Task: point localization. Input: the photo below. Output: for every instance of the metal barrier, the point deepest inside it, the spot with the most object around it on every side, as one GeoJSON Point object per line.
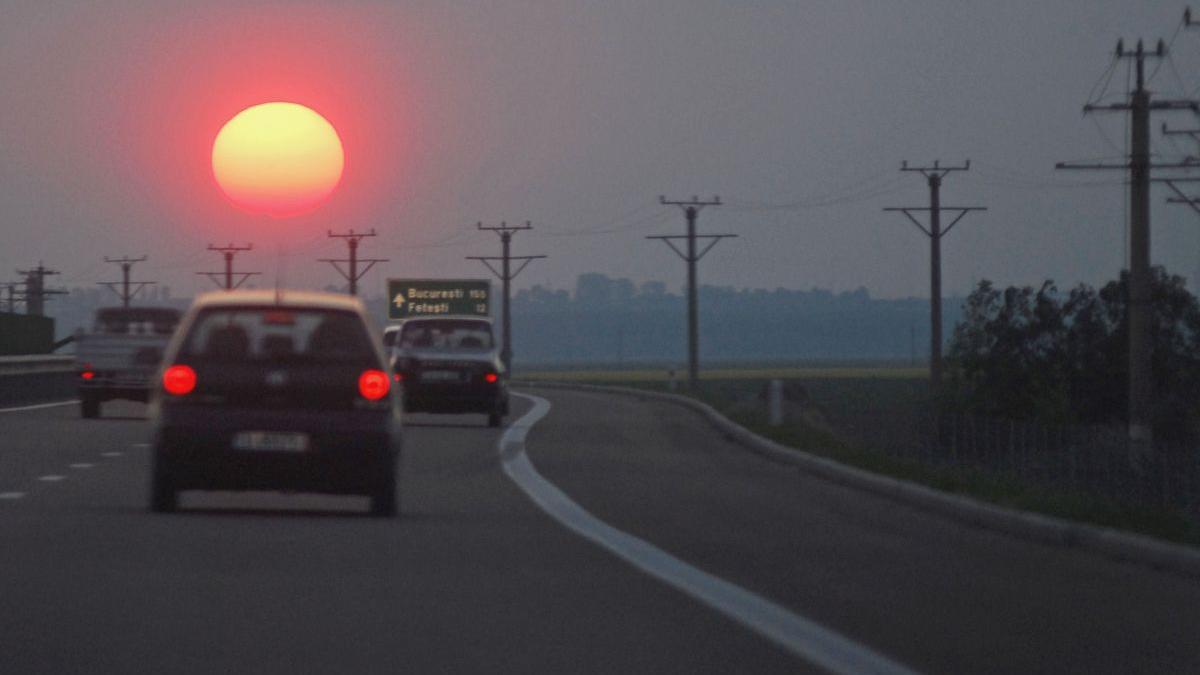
{"type": "Point", "coordinates": [36, 378]}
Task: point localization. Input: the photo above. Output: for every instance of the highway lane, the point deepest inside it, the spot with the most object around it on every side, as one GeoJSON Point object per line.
{"type": "Point", "coordinates": [935, 594]}
{"type": "Point", "coordinates": [473, 577]}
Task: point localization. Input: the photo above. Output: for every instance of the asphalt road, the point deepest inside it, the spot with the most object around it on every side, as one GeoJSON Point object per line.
{"type": "Point", "coordinates": [474, 576]}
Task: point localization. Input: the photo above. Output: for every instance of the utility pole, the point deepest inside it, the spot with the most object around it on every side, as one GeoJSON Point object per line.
{"type": "Point", "coordinates": [1139, 107]}
{"type": "Point", "coordinates": [353, 275]}
{"type": "Point", "coordinates": [506, 275]}
{"type": "Point", "coordinates": [933, 176]}
{"type": "Point", "coordinates": [128, 289]}
{"type": "Point", "coordinates": [36, 292]}
{"type": "Point", "coordinates": [228, 252]}
{"type": "Point", "coordinates": [12, 296]}
{"type": "Point", "coordinates": [691, 210]}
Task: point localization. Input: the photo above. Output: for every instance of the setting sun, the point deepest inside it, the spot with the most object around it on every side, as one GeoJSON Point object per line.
{"type": "Point", "coordinates": [279, 159]}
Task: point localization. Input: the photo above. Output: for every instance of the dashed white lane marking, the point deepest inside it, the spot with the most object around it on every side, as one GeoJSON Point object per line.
{"type": "Point", "coordinates": [53, 478]}
{"type": "Point", "coordinates": [39, 406]}
{"type": "Point", "coordinates": [82, 465]}
{"type": "Point", "coordinates": [11, 495]}
{"type": "Point", "coordinates": [114, 453]}
{"type": "Point", "coordinates": [140, 446]}
{"type": "Point", "coordinates": [803, 637]}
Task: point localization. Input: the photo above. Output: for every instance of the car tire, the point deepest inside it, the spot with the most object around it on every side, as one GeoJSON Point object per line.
{"type": "Point", "coordinates": [384, 501]}
{"type": "Point", "coordinates": [494, 419]}
{"type": "Point", "coordinates": [164, 497]}
{"type": "Point", "coordinates": [89, 407]}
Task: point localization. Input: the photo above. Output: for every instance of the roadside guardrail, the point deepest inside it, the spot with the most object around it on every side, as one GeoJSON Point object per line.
{"type": "Point", "coordinates": [36, 378]}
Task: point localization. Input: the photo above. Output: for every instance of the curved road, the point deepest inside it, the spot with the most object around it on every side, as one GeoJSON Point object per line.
{"type": "Point", "coordinates": [475, 576]}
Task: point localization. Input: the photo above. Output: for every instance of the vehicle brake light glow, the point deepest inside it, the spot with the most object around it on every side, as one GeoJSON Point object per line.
{"type": "Point", "coordinates": [373, 384]}
{"type": "Point", "coordinates": [179, 380]}
{"type": "Point", "coordinates": [399, 377]}
{"type": "Point", "coordinates": [87, 375]}
{"type": "Point", "coordinates": [491, 378]}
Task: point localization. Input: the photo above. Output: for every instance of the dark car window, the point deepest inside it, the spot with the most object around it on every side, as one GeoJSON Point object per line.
{"type": "Point", "coordinates": [136, 321]}
{"type": "Point", "coordinates": [278, 334]}
{"type": "Point", "coordinates": [447, 335]}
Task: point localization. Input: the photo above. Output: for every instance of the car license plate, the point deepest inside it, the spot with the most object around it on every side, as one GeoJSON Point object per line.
{"type": "Point", "coordinates": [440, 376]}
{"type": "Point", "coordinates": [276, 441]}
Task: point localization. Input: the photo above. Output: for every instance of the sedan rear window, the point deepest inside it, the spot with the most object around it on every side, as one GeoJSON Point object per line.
{"type": "Point", "coordinates": [278, 334]}
{"type": "Point", "coordinates": [447, 334]}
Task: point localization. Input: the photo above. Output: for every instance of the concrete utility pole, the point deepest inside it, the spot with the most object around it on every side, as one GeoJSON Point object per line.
{"type": "Point", "coordinates": [1140, 105]}
{"type": "Point", "coordinates": [128, 289]}
{"type": "Point", "coordinates": [36, 292]}
{"type": "Point", "coordinates": [691, 210]}
{"type": "Point", "coordinates": [353, 275]}
{"type": "Point", "coordinates": [228, 252]}
{"type": "Point", "coordinates": [934, 175]}
{"type": "Point", "coordinates": [506, 275]}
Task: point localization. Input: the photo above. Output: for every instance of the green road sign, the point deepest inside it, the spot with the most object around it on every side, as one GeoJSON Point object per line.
{"type": "Point", "coordinates": [438, 297]}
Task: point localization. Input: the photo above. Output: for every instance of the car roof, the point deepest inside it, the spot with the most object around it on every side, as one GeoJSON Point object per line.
{"type": "Point", "coordinates": [280, 298]}
{"type": "Point", "coordinates": [450, 317]}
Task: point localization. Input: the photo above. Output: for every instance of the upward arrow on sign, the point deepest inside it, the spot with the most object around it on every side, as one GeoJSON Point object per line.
{"type": "Point", "coordinates": [399, 299]}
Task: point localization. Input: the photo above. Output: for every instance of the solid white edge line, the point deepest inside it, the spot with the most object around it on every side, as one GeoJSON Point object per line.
{"type": "Point", "coordinates": [11, 495]}
{"type": "Point", "coordinates": [800, 636]}
{"type": "Point", "coordinates": [52, 478]}
{"type": "Point", "coordinates": [39, 406]}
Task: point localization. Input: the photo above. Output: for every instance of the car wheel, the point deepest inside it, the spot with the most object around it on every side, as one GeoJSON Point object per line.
{"type": "Point", "coordinates": [89, 407]}
{"type": "Point", "coordinates": [494, 419]}
{"type": "Point", "coordinates": [383, 501]}
{"type": "Point", "coordinates": [164, 497]}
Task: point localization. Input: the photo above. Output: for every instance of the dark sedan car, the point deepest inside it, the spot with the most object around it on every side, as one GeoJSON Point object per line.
{"type": "Point", "coordinates": [451, 365]}
{"type": "Point", "coordinates": [275, 391]}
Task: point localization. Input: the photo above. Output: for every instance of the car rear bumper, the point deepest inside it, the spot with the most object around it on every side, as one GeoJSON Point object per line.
{"type": "Point", "coordinates": [351, 452]}
{"type": "Point", "coordinates": [447, 398]}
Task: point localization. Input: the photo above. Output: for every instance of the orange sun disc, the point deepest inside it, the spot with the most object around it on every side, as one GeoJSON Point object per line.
{"type": "Point", "coordinates": [280, 159]}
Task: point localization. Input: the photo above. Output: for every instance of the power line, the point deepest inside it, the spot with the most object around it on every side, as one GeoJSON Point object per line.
{"type": "Point", "coordinates": [933, 176]}
{"type": "Point", "coordinates": [691, 210]}
{"type": "Point", "coordinates": [128, 289]}
{"type": "Point", "coordinates": [353, 274]}
{"type": "Point", "coordinates": [506, 275]}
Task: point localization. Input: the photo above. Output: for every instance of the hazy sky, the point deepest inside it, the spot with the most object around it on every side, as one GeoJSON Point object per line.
{"type": "Point", "coordinates": [576, 116]}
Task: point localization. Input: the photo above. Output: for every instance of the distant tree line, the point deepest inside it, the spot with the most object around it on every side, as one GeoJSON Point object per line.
{"type": "Point", "coordinates": [1037, 353]}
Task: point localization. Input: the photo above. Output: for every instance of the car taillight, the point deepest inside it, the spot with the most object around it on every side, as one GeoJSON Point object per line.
{"type": "Point", "coordinates": [179, 380]}
{"type": "Point", "coordinates": [373, 384]}
{"type": "Point", "coordinates": [399, 377]}
{"type": "Point", "coordinates": [87, 374]}
{"type": "Point", "coordinates": [491, 378]}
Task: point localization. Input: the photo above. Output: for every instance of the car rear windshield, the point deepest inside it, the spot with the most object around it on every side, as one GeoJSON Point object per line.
{"type": "Point", "coordinates": [136, 321]}
{"type": "Point", "coordinates": [278, 334]}
{"type": "Point", "coordinates": [447, 335]}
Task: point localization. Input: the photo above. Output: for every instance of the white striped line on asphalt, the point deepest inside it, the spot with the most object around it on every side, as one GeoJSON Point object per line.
{"type": "Point", "coordinates": [139, 446]}
{"type": "Point", "coordinates": [39, 406]}
{"type": "Point", "coordinates": [114, 453]}
{"type": "Point", "coordinates": [11, 495]}
{"type": "Point", "coordinates": [52, 478]}
{"type": "Point", "coordinates": [82, 465]}
{"type": "Point", "coordinates": [803, 637]}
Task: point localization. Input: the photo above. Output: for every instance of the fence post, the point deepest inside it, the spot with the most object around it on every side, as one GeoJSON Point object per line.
{"type": "Point", "coordinates": [775, 403]}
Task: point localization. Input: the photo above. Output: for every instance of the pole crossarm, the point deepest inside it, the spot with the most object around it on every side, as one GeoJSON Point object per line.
{"type": "Point", "coordinates": [936, 169]}
{"type": "Point", "coordinates": [218, 278]}
{"type": "Point", "coordinates": [713, 240]}
{"type": "Point", "coordinates": [487, 260]}
{"type": "Point", "coordinates": [962, 211]}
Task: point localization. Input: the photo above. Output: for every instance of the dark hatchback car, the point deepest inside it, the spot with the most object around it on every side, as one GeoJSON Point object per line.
{"type": "Point", "coordinates": [450, 365]}
{"type": "Point", "coordinates": [275, 391]}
